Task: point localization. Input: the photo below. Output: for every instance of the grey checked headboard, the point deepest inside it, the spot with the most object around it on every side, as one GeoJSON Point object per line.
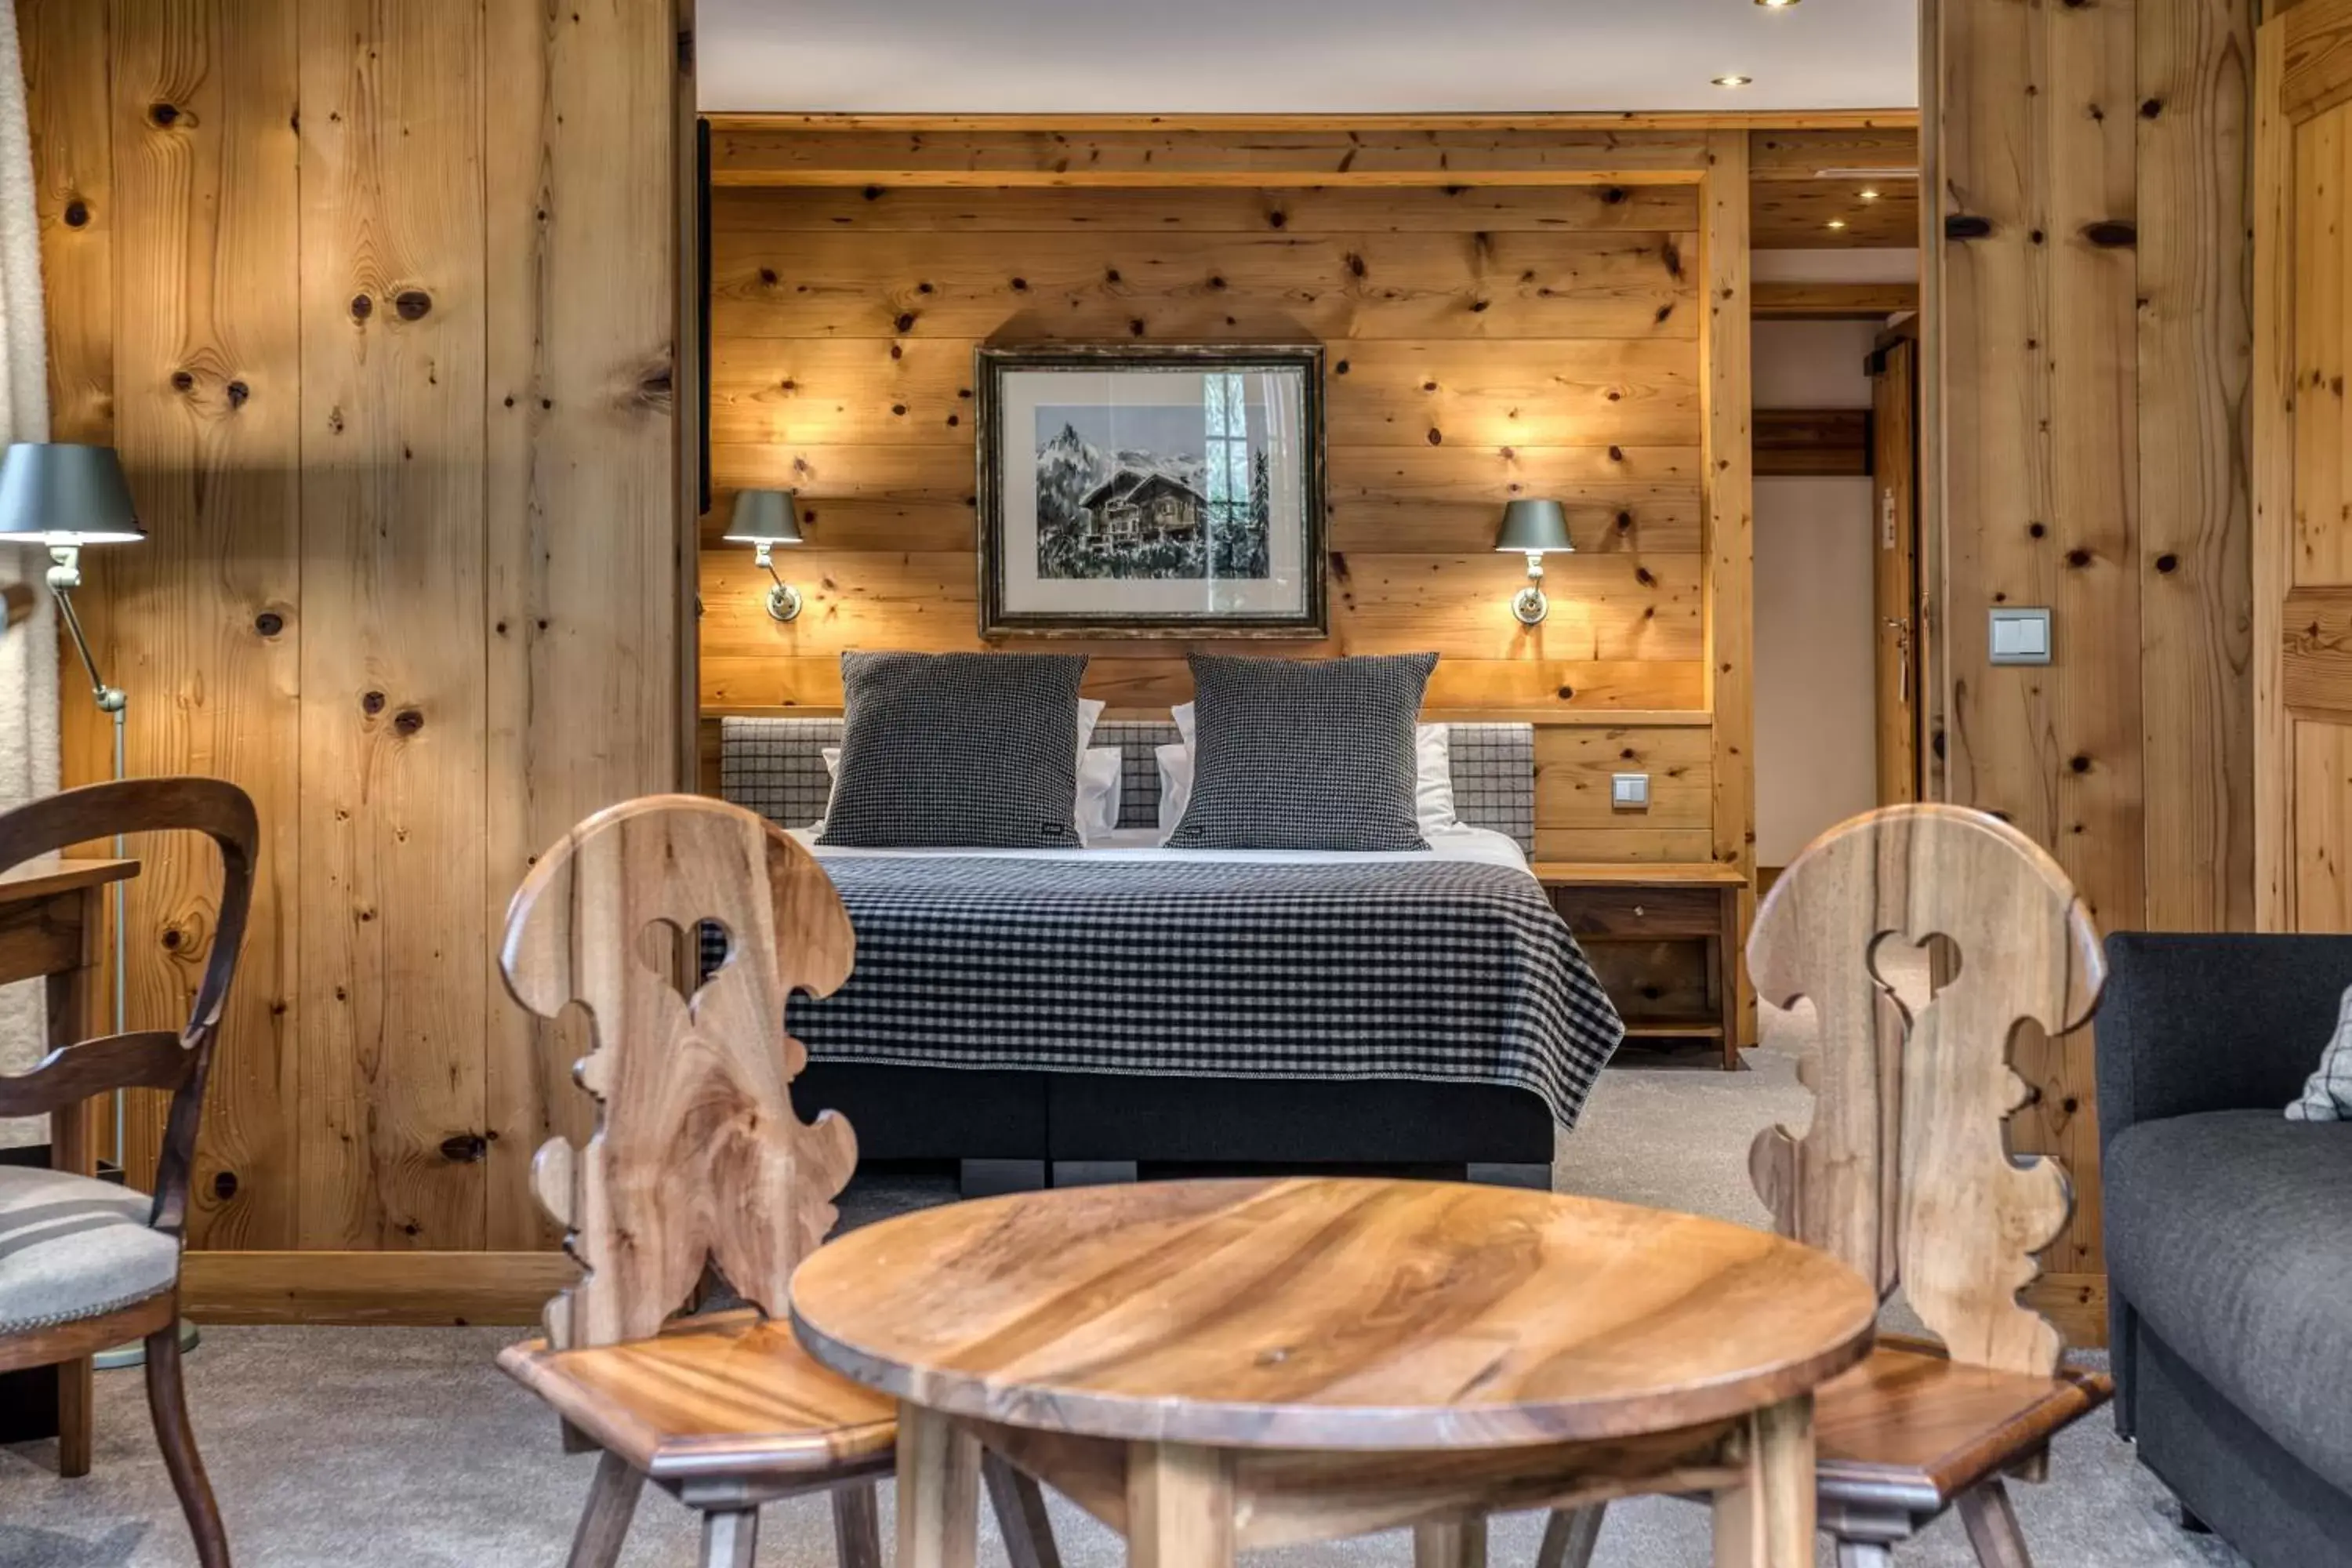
{"type": "Point", "coordinates": [776, 767]}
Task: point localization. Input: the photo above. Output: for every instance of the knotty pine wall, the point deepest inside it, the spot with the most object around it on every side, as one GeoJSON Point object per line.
{"type": "Point", "coordinates": [378, 298]}
{"type": "Point", "coordinates": [1485, 341]}
{"type": "Point", "coordinates": [2093, 309]}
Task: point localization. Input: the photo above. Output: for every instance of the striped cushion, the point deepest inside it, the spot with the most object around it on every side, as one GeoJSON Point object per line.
{"type": "Point", "coordinates": [71, 1246]}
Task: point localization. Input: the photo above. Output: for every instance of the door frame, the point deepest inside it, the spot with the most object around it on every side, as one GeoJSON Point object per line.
{"type": "Point", "coordinates": [1899, 588]}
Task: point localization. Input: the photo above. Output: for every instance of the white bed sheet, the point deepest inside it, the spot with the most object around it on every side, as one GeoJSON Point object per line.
{"type": "Point", "coordinates": [1142, 846]}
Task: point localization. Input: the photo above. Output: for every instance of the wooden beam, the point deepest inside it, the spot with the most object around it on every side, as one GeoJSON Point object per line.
{"type": "Point", "coordinates": [822, 154]}
{"type": "Point", "coordinates": [1812, 442]}
{"type": "Point", "coordinates": [427, 1289]}
{"type": "Point", "coordinates": [1833, 301]}
{"type": "Point", "coordinates": [1802, 155]}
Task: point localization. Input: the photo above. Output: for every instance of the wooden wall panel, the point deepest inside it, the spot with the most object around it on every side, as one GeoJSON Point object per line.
{"type": "Point", "coordinates": [1729, 467]}
{"type": "Point", "coordinates": [586, 545]}
{"type": "Point", "coordinates": [1486, 342]}
{"type": "Point", "coordinates": [386, 342]}
{"type": "Point", "coordinates": [2087, 451]}
{"type": "Point", "coordinates": [205, 624]}
{"type": "Point", "coordinates": [2196, 69]}
{"type": "Point", "coordinates": [394, 760]}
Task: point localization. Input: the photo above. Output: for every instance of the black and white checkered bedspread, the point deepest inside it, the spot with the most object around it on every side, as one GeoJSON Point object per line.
{"type": "Point", "coordinates": [1438, 970]}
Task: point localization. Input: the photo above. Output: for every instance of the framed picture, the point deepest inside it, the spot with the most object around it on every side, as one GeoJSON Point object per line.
{"type": "Point", "coordinates": [1147, 490]}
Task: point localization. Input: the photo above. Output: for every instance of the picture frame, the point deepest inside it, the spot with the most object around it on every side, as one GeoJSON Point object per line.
{"type": "Point", "coordinates": [1151, 491]}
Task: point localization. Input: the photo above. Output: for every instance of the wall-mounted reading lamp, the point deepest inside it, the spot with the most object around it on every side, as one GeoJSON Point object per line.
{"type": "Point", "coordinates": [63, 496]}
{"type": "Point", "coordinates": [763, 520]}
{"type": "Point", "coordinates": [1536, 529]}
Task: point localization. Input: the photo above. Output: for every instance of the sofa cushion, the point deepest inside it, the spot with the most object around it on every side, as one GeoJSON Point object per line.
{"type": "Point", "coordinates": [2225, 1232]}
{"type": "Point", "coordinates": [71, 1246]}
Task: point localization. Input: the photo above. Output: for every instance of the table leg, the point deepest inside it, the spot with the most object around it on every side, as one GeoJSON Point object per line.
{"type": "Point", "coordinates": [1458, 1542]}
{"type": "Point", "coordinates": [73, 1013]}
{"type": "Point", "coordinates": [939, 1491]}
{"type": "Point", "coordinates": [1179, 1506]}
{"type": "Point", "coordinates": [1767, 1521]}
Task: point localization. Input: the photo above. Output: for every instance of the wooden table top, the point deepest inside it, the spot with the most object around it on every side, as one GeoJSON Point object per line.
{"type": "Point", "coordinates": [1326, 1313]}
{"type": "Point", "coordinates": [54, 874]}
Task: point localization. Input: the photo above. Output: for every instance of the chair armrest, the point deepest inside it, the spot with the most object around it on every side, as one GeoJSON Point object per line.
{"type": "Point", "coordinates": [147, 1059]}
{"type": "Point", "coordinates": [2196, 1023]}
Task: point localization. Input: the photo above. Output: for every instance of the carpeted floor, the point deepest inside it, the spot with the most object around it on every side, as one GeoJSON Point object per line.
{"type": "Point", "coordinates": [405, 1449]}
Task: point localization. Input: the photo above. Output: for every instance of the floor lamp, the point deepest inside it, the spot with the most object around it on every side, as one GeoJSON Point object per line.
{"type": "Point", "coordinates": [63, 495]}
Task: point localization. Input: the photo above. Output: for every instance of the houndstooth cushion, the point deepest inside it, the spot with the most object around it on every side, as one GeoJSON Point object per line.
{"type": "Point", "coordinates": [960, 751]}
{"type": "Point", "coordinates": [1305, 755]}
{"type": "Point", "coordinates": [71, 1246]}
{"type": "Point", "coordinates": [2328, 1096]}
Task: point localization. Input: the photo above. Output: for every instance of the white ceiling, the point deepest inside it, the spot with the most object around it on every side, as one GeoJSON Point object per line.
{"type": "Point", "coordinates": [1338, 57]}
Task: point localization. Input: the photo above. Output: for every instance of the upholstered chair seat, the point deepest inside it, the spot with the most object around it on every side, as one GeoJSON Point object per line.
{"type": "Point", "coordinates": [73, 1247]}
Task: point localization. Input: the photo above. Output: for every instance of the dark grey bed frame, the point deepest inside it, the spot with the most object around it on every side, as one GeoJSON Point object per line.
{"type": "Point", "coordinates": [1009, 1131]}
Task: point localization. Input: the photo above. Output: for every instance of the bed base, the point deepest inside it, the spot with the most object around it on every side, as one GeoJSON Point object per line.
{"type": "Point", "coordinates": [1017, 1131]}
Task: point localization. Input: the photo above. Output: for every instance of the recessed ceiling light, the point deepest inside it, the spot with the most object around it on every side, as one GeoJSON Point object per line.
{"type": "Point", "coordinates": [1734, 79]}
{"type": "Point", "coordinates": [1776, 4]}
{"type": "Point", "coordinates": [1870, 196]}
{"type": "Point", "coordinates": [1836, 222]}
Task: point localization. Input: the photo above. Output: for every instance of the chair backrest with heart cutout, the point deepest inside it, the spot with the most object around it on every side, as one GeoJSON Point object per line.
{"type": "Point", "coordinates": [698, 1154]}
{"type": "Point", "coordinates": [1906, 1172]}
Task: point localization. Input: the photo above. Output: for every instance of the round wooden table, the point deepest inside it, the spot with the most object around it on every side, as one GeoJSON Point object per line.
{"type": "Point", "coordinates": [1208, 1365]}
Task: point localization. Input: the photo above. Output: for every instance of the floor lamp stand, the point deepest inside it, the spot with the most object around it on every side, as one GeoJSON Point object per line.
{"type": "Point", "coordinates": [65, 576]}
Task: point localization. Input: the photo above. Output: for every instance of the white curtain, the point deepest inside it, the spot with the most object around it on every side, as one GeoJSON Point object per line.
{"type": "Point", "coordinates": [29, 655]}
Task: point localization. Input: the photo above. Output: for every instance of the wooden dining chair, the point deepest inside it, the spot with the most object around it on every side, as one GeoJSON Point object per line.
{"type": "Point", "coordinates": [86, 1265]}
{"type": "Point", "coordinates": [1906, 1172]}
{"type": "Point", "coordinates": [699, 1159]}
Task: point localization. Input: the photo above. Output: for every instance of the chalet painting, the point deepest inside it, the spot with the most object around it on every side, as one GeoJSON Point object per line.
{"type": "Point", "coordinates": [1138, 504]}
{"type": "Point", "coordinates": [1168, 488]}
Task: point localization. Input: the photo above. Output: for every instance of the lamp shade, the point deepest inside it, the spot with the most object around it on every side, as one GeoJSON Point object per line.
{"type": "Point", "coordinates": [56, 492]}
{"type": "Point", "coordinates": [1534, 527]}
{"type": "Point", "coordinates": [764, 517]}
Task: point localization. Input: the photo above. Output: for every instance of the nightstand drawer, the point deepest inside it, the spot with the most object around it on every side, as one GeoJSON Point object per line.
{"type": "Point", "coordinates": [1640, 911]}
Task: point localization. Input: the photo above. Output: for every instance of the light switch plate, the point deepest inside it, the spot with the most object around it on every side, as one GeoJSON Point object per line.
{"type": "Point", "coordinates": [2021, 635]}
{"type": "Point", "coordinates": [1629, 792]}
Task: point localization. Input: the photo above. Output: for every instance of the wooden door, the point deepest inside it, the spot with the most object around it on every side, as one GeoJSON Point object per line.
{"type": "Point", "coordinates": [1895, 529]}
{"type": "Point", "coordinates": [2302, 469]}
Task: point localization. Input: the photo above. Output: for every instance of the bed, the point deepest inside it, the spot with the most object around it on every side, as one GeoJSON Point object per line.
{"type": "Point", "coordinates": [1082, 1013]}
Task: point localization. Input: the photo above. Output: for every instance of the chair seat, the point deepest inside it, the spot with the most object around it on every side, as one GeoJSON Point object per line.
{"type": "Point", "coordinates": [1911, 1428]}
{"type": "Point", "coordinates": [731, 1393]}
{"type": "Point", "coordinates": [73, 1248]}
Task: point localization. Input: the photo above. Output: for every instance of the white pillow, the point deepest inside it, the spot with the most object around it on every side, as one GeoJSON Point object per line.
{"type": "Point", "coordinates": [2328, 1096]}
{"type": "Point", "coordinates": [1175, 784]}
{"type": "Point", "coordinates": [1432, 784]}
{"type": "Point", "coordinates": [1099, 792]}
{"type": "Point", "coordinates": [831, 755]}
{"type": "Point", "coordinates": [1089, 712]}
{"type": "Point", "coordinates": [1432, 787]}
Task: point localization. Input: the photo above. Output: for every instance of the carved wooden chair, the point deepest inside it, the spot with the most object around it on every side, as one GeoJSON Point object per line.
{"type": "Point", "coordinates": [1906, 1172]}
{"type": "Point", "coordinates": [699, 1157]}
{"type": "Point", "coordinates": [86, 1265]}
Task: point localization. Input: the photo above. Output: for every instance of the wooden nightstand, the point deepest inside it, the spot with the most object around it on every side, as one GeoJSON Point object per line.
{"type": "Point", "coordinates": [1613, 906]}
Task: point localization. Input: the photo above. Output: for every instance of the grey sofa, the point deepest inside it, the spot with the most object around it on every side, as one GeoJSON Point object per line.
{"type": "Point", "coordinates": [2229, 1235]}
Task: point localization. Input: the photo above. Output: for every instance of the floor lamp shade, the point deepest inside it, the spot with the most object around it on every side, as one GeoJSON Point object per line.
{"type": "Point", "coordinates": [61, 493]}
